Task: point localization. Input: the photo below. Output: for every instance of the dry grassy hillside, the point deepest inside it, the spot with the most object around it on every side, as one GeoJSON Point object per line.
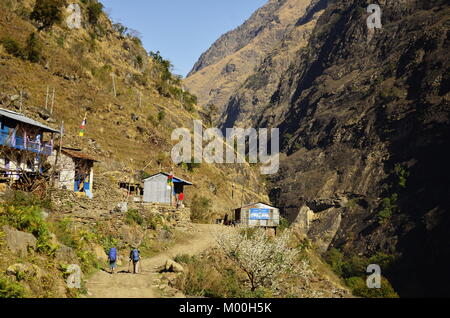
{"type": "Point", "coordinates": [129, 132]}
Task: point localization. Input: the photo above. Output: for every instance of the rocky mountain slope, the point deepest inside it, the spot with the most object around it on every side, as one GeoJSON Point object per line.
{"type": "Point", "coordinates": [128, 131]}
{"type": "Point", "coordinates": [233, 57]}
{"type": "Point", "coordinates": [364, 119]}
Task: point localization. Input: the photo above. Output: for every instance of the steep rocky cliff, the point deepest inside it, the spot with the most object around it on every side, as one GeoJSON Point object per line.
{"type": "Point", "coordinates": [364, 119]}
{"type": "Point", "coordinates": [234, 56]}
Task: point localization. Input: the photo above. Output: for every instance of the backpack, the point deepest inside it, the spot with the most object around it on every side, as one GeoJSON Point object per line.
{"type": "Point", "coordinates": [135, 254]}
{"type": "Point", "coordinates": [112, 254]}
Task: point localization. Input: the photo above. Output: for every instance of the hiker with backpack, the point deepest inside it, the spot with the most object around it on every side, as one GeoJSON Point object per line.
{"type": "Point", "coordinates": [112, 258]}
{"type": "Point", "coordinates": [135, 258]}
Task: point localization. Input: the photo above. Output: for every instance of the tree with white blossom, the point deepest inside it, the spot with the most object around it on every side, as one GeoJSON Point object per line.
{"type": "Point", "coordinates": [266, 261]}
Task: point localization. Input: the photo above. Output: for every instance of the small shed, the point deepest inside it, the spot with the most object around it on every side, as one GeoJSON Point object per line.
{"type": "Point", "coordinates": [157, 189]}
{"type": "Point", "coordinates": [257, 215]}
{"type": "Point", "coordinates": [76, 171]}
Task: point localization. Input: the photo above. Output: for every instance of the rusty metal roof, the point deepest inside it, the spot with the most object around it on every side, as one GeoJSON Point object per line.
{"type": "Point", "coordinates": [260, 204]}
{"type": "Point", "coordinates": [78, 155]}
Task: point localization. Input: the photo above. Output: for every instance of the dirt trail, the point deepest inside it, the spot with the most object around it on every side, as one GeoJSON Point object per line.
{"type": "Point", "coordinates": [125, 285]}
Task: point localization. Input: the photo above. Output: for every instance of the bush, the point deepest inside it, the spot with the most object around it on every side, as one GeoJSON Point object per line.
{"type": "Point", "coordinates": [161, 115]}
{"type": "Point", "coordinates": [210, 277]}
{"type": "Point", "coordinates": [10, 288]}
{"type": "Point", "coordinates": [12, 47]}
{"type": "Point", "coordinates": [133, 216]}
{"type": "Point", "coordinates": [47, 12]}
{"type": "Point", "coordinates": [119, 27]}
{"type": "Point", "coordinates": [25, 199]}
{"type": "Point", "coordinates": [201, 209]}
{"type": "Point", "coordinates": [388, 207]}
{"type": "Point", "coordinates": [29, 219]}
{"type": "Point", "coordinates": [359, 288]}
{"type": "Point", "coordinates": [32, 49]}
{"type": "Point", "coordinates": [109, 242]}
{"type": "Point", "coordinates": [284, 224]}
{"type": "Point", "coordinates": [353, 271]}
{"type": "Point", "coordinates": [94, 9]}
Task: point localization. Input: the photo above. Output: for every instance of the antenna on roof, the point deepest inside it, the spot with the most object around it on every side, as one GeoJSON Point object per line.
{"type": "Point", "coordinates": [46, 98]}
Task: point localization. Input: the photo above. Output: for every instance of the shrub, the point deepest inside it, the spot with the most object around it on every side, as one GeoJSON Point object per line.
{"type": "Point", "coordinates": [161, 115]}
{"type": "Point", "coordinates": [200, 209]}
{"type": "Point", "coordinates": [153, 221]}
{"type": "Point", "coordinates": [388, 207]}
{"type": "Point", "coordinates": [359, 288]}
{"type": "Point", "coordinates": [29, 219]}
{"type": "Point", "coordinates": [335, 259]}
{"type": "Point", "coordinates": [353, 271]}
{"type": "Point", "coordinates": [284, 224]}
{"type": "Point", "coordinates": [182, 258]}
{"type": "Point", "coordinates": [133, 216]}
{"type": "Point", "coordinates": [32, 49]}
{"type": "Point", "coordinates": [210, 277]}
{"type": "Point", "coordinates": [119, 27]}
{"type": "Point", "coordinates": [94, 10]}
{"type": "Point", "coordinates": [402, 175]}
{"type": "Point", "coordinates": [109, 242]}
{"type": "Point", "coordinates": [10, 288]}
{"type": "Point", "coordinates": [26, 199]}
{"type": "Point", "coordinates": [12, 47]}
{"type": "Point", "coordinates": [47, 12]}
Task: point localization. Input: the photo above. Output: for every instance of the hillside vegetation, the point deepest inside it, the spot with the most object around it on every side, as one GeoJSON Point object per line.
{"type": "Point", "coordinates": [132, 101]}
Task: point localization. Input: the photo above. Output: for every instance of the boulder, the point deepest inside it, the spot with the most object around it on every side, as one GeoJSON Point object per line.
{"type": "Point", "coordinates": [164, 235]}
{"type": "Point", "coordinates": [27, 270]}
{"type": "Point", "coordinates": [17, 241]}
{"type": "Point", "coordinates": [172, 266]}
{"type": "Point", "coordinates": [99, 252]}
{"type": "Point", "coordinates": [66, 254]}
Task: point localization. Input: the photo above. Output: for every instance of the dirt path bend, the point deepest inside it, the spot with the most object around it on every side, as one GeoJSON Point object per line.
{"type": "Point", "coordinates": [126, 285]}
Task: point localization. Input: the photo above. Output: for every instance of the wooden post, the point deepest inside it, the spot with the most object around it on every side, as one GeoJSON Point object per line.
{"type": "Point", "coordinates": [58, 153]}
{"type": "Point", "coordinates": [20, 102]}
{"type": "Point", "coordinates": [114, 84]}
{"type": "Point", "coordinates": [53, 100]}
{"type": "Point", "coordinates": [46, 98]}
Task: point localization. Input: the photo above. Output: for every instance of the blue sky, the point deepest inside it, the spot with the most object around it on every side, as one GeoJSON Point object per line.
{"type": "Point", "coordinates": [181, 29]}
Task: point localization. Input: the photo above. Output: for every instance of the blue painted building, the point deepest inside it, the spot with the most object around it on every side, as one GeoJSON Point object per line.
{"type": "Point", "coordinates": [24, 144]}
{"type": "Point", "coordinates": [257, 215]}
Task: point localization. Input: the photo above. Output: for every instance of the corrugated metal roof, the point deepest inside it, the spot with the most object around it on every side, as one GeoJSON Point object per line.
{"type": "Point", "coordinates": [262, 205]}
{"type": "Point", "coordinates": [78, 155]}
{"type": "Point", "coordinates": [167, 175]}
{"type": "Point", "coordinates": [19, 117]}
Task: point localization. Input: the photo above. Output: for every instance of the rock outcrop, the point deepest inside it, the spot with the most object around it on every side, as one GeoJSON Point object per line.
{"type": "Point", "coordinates": [19, 242]}
{"type": "Point", "coordinates": [363, 114]}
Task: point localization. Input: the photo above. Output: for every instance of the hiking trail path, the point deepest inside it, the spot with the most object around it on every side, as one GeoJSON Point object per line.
{"type": "Point", "coordinates": [127, 285]}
